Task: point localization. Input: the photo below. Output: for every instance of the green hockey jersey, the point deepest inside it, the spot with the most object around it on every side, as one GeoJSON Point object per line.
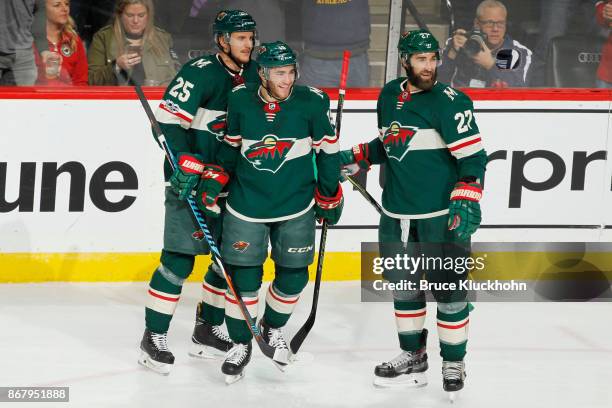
{"type": "Point", "coordinates": [427, 141]}
{"type": "Point", "coordinates": [269, 153]}
{"type": "Point", "coordinates": [193, 111]}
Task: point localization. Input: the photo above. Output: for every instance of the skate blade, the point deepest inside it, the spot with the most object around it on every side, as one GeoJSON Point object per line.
{"type": "Point", "coordinates": [231, 379]}
{"type": "Point", "coordinates": [205, 352]}
{"type": "Point", "coordinates": [412, 380]}
{"type": "Point", "coordinates": [160, 368]}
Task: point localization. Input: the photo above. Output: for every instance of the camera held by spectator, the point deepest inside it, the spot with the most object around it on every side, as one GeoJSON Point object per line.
{"type": "Point", "coordinates": [476, 42]}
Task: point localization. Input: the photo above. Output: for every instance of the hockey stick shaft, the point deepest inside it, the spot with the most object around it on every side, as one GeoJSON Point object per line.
{"type": "Point", "coordinates": [417, 16]}
{"type": "Point", "coordinates": [266, 349]}
{"type": "Point", "coordinates": [365, 194]}
{"type": "Point", "coordinates": [300, 336]}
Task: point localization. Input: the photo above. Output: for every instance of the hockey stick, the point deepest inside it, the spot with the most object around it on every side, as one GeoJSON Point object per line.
{"type": "Point", "coordinates": [275, 354]}
{"type": "Point", "coordinates": [300, 336]}
{"type": "Point", "coordinates": [451, 16]}
{"type": "Point", "coordinates": [365, 194]}
{"type": "Point", "coordinates": [416, 15]}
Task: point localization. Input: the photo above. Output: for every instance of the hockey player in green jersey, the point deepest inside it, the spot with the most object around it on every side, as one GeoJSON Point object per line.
{"type": "Point", "coordinates": [275, 194]}
{"type": "Point", "coordinates": [434, 160]}
{"type": "Point", "coordinates": [192, 116]}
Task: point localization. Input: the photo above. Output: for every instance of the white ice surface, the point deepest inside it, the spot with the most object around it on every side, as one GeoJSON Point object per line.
{"type": "Point", "coordinates": [86, 336]}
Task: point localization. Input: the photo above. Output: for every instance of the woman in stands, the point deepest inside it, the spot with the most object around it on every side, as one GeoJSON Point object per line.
{"type": "Point", "coordinates": [132, 50]}
{"type": "Point", "coordinates": [67, 64]}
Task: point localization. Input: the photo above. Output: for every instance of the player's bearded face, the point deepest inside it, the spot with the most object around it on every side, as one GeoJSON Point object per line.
{"type": "Point", "coordinates": [281, 81]}
{"type": "Point", "coordinates": [422, 71]}
{"type": "Point", "coordinates": [241, 45]}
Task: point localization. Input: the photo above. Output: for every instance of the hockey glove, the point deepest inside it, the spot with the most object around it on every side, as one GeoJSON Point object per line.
{"type": "Point", "coordinates": [214, 178]}
{"type": "Point", "coordinates": [186, 176]}
{"type": "Point", "coordinates": [329, 208]}
{"type": "Point", "coordinates": [354, 160]}
{"type": "Point", "coordinates": [464, 210]}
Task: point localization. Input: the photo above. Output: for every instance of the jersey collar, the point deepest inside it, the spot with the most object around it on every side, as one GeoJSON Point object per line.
{"type": "Point", "coordinates": [264, 99]}
{"type": "Point", "coordinates": [229, 71]}
{"type": "Point", "coordinates": [404, 84]}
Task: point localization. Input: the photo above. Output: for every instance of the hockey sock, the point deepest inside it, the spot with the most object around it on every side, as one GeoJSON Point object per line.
{"type": "Point", "coordinates": [165, 289]}
{"type": "Point", "coordinates": [212, 308]}
{"type": "Point", "coordinates": [410, 319]}
{"type": "Point", "coordinates": [283, 294]}
{"type": "Point", "coordinates": [247, 280]}
{"type": "Point", "coordinates": [453, 322]}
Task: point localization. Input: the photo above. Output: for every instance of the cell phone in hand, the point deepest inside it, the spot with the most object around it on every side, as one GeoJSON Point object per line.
{"type": "Point", "coordinates": [134, 49]}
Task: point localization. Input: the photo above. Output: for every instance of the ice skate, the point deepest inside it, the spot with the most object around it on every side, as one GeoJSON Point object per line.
{"type": "Point", "coordinates": [154, 352]}
{"type": "Point", "coordinates": [235, 362]}
{"type": "Point", "coordinates": [405, 370]}
{"type": "Point", "coordinates": [275, 338]}
{"type": "Point", "coordinates": [208, 341]}
{"type": "Point", "coordinates": [453, 376]}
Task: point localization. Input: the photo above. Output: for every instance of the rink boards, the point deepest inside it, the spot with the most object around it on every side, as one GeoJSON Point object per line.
{"type": "Point", "coordinates": [81, 184]}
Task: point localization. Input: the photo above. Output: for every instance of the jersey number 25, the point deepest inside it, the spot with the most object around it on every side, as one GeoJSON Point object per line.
{"type": "Point", "coordinates": [181, 89]}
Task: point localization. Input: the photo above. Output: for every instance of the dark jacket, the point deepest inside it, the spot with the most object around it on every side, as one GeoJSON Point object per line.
{"type": "Point", "coordinates": [332, 26]}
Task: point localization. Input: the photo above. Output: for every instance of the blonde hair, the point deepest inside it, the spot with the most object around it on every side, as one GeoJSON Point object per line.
{"type": "Point", "coordinates": [68, 33]}
{"type": "Point", "coordinates": [490, 4]}
{"type": "Point", "coordinates": [149, 36]}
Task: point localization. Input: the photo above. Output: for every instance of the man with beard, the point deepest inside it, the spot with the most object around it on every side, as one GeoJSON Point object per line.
{"type": "Point", "coordinates": [192, 115]}
{"type": "Point", "coordinates": [435, 161]}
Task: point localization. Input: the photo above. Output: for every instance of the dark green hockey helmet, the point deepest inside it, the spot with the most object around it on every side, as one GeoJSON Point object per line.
{"type": "Point", "coordinates": [417, 41]}
{"type": "Point", "coordinates": [231, 21]}
{"type": "Point", "coordinates": [274, 54]}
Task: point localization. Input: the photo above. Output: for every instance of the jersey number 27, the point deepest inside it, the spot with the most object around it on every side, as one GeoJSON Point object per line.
{"type": "Point", "coordinates": [465, 121]}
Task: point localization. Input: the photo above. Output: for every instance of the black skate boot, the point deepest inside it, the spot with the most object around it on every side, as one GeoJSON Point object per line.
{"type": "Point", "coordinates": [208, 341]}
{"type": "Point", "coordinates": [405, 370]}
{"type": "Point", "coordinates": [453, 376]}
{"type": "Point", "coordinates": [275, 338]}
{"type": "Point", "coordinates": [235, 362]}
{"type": "Point", "coordinates": [154, 352]}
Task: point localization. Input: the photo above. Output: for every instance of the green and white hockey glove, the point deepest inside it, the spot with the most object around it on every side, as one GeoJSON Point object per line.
{"type": "Point", "coordinates": [329, 208]}
{"type": "Point", "coordinates": [464, 211]}
{"type": "Point", "coordinates": [354, 160]}
{"type": "Point", "coordinates": [186, 176]}
{"type": "Point", "coordinates": [214, 178]}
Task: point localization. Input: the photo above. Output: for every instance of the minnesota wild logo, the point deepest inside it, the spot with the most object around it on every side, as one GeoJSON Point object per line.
{"type": "Point", "coordinates": [396, 140]}
{"type": "Point", "coordinates": [217, 126]}
{"type": "Point", "coordinates": [269, 154]}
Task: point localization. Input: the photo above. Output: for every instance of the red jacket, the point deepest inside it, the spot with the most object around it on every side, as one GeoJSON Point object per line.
{"type": "Point", "coordinates": [73, 68]}
{"type": "Point", "coordinates": [604, 72]}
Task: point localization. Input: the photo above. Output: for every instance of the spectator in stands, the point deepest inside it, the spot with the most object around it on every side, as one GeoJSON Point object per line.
{"type": "Point", "coordinates": [22, 22]}
{"type": "Point", "coordinates": [328, 28]}
{"type": "Point", "coordinates": [269, 14]}
{"type": "Point", "coordinates": [474, 66]}
{"type": "Point", "coordinates": [554, 18]}
{"type": "Point", "coordinates": [90, 16]}
{"type": "Point", "coordinates": [131, 49]}
{"type": "Point", "coordinates": [604, 18]}
{"type": "Point", "coordinates": [67, 64]}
